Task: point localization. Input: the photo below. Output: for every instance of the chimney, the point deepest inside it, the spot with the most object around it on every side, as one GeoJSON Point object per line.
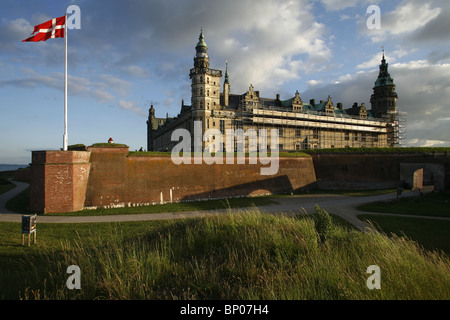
{"type": "Point", "coordinates": [278, 96]}
{"type": "Point", "coordinates": [339, 105]}
{"type": "Point", "coordinates": [355, 105]}
{"type": "Point", "coordinates": [312, 102]}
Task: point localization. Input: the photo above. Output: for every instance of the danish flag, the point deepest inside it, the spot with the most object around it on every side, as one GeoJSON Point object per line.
{"type": "Point", "coordinates": [51, 29]}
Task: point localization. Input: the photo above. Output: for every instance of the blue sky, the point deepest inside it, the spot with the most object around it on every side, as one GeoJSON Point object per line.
{"type": "Point", "coordinates": [130, 54]}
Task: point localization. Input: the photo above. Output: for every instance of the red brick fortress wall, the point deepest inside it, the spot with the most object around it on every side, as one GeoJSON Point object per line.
{"type": "Point", "coordinates": [59, 180]}
{"type": "Point", "coordinates": [108, 176]}
{"type": "Point", "coordinates": [117, 179]}
{"type": "Point", "coordinates": [379, 170]}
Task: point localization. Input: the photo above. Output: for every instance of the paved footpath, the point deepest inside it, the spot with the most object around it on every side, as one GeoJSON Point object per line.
{"type": "Point", "coordinates": [343, 206]}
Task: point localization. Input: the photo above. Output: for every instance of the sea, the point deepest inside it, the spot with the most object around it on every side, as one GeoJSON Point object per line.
{"type": "Point", "coordinates": [11, 167]}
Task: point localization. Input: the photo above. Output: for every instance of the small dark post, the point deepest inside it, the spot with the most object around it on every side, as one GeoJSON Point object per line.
{"type": "Point", "coordinates": [29, 227]}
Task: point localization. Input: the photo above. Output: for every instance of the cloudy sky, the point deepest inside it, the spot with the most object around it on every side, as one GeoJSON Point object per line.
{"type": "Point", "coordinates": [131, 54]}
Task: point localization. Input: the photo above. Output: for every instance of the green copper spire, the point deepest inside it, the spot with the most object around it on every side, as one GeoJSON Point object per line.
{"type": "Point", "coordinates": [227, 77]}
{"type": "Point", "coordinates": [201, 48]}
{"type": "Point", "coordinates": [384, 78]}
{"type": "Point", "coordinates": [201, 40]}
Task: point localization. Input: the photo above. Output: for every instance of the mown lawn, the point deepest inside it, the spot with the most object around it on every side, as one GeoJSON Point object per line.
{"type": "Point", "coordinates": [431, 234]}
{"type": "Point", "coordinates": [433, 204]}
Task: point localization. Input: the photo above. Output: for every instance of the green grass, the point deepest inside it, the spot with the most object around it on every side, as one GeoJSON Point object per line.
{"type": "Point", "coordinates": [382, 150]}
{"type": "Point", "coordinates": [20, 202]}
{"type": "Point", "coordinates": [5, 185]}
{"type": "Point", "coordinates": [175, 207]}
{"type": "Point", "coordinates": [109, 145]}
{"type": "Point", "coordinates": [431, 234]}
{"type": "Point", "coordinates": [169, 154]}
{"type": "Point", "coordinates": [350, 193]}
{"type": "Point", "coordinates": [433, 204]}
{"type": "Point", "coordinates": [246, 255]}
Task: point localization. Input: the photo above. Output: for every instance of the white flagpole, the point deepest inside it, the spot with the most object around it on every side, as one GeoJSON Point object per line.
{"type": "Point", "coordinates": [65, 89]}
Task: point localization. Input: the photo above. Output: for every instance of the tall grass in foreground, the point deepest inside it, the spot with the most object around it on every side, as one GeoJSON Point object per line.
{"type": "Point", "coordinates": [246, 255]}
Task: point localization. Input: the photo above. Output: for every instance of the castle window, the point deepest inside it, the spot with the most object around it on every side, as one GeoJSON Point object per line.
{"type": "Point", "coordinates": [315, 133]}
{"type": "Point", "coordinates": [347, 136]}
{"type": "Point", "coordinates": [298, 132]}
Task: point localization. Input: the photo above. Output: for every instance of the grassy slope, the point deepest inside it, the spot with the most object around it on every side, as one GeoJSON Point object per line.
{"type": "Point", "coordinates": [240, 256]}
{"type": "Point", "coordinates": [431, 234]}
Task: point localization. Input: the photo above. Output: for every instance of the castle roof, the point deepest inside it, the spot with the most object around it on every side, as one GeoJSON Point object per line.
{"type": "Point", "coordinates": [384, 78]}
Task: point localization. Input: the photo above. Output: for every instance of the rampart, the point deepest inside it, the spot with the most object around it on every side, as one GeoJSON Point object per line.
{"type": "Point", "coordinates": [109, 177]}
{"type": "Point", "coordinates": [64, 181]}
{"type": "Point", "coordinates": [380, 170]}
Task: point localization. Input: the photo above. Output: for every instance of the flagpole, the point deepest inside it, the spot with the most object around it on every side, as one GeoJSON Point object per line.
{"type": "Point", "coordinates": [65, 88]}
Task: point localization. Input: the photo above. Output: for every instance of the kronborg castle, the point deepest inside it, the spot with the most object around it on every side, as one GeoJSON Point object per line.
{"type": "Point", "coordinates": [301, 125]}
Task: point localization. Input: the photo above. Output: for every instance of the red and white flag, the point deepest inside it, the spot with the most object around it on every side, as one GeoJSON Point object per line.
{"type": "Point", "coordinates": [51, 29]}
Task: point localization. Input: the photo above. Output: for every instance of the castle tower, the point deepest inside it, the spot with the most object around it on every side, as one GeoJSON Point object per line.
{"type": "Point", "coordinates": [226, 87]}
{"type": "Point", "coordinates": [205, 85]}
{"type": "Point", "coordinates": [152, 125]}
{"type": "Point", "coordinates": [205, 88]}
{"type": "Point", "coordinates": [384, 97]}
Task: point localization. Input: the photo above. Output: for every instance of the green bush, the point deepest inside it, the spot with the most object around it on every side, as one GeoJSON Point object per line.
{"type": "Point", "coordinates": [322, 223]}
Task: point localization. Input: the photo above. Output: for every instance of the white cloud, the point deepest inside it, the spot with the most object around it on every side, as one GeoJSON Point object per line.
{"type": "Point", "coordinates": [272, 46]}
{"type": "Point", "coordinates": [376, 59]}
{"type": "Point", "coordinates": [427, 143]}
{"type": "Point", "coordinates": [102, 96]}
{"type": "Point", "coordinates": [113, 83]}
{"type": "Point", "coordinates": [337, 5]}
{"type": "Point", "coordinates": [313, 83]}
{"type": "Point", "coordinates": [135, 71]}
{"type": "Point", "coordinates": [423, 90]}
{"type": "Point", "coordinates": [407, 18]}
{"type": "Point", "coordinates": [131, 106]}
